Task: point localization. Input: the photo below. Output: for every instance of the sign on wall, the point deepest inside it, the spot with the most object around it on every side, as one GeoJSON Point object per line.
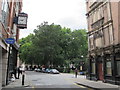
{"type": "Point", "coordinates": [22, 20]}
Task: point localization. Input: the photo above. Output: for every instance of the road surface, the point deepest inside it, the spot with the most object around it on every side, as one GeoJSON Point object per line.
{"type": "Point", "coordinates": [37, 80]}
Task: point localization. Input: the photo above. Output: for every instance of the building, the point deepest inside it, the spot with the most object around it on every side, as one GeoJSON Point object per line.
{"type": "Point", "coordinates": [103, 17]}
{"type": "Point", "coordinates": [9, 9]}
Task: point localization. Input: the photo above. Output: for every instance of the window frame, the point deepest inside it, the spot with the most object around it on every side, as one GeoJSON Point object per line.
{"type": "Point", "coordinates": [5, 13]}
{"type": "Point", "coordinates": [117, 59]}
{"type": "Point", "coordinates": [93, 68]}
{"type": "Point", "coordinates": [108, 59]}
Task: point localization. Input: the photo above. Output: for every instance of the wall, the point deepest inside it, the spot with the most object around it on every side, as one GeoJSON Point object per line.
{"type": "Point", "coordinates": [119, 20]}
{"type": "Point", "coordinates": [0, 67]}
{"type": "Point", "coordinates": [114, 9]}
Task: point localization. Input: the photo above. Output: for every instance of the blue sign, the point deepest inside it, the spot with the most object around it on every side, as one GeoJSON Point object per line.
{"type": "Point", "coordinates": [10, 40]}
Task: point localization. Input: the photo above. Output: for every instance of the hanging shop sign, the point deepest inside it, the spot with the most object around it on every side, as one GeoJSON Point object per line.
{"type": "Point", "coordinates": [22, 20]}
{"type": "Point", "coordinates": [10, 40]}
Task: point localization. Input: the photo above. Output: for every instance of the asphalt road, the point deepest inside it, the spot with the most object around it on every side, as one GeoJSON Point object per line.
{"type": "Point", "coordinates": [44, 81]}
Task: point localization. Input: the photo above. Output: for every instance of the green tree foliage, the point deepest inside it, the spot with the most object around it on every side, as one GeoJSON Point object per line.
{"type": "Point", "coordinates": [27, 49]}
{"type": "Point", "coordinates": [53, 45]}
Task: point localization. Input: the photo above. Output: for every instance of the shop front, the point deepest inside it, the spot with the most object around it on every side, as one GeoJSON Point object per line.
{"type": "Point", "coordinates": [105, 66]}
{"type": "Point", "coordinates": [12, 61]}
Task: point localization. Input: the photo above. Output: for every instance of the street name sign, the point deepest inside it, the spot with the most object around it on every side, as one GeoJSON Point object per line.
{"type": "Point", "coordinates": [10, 40]}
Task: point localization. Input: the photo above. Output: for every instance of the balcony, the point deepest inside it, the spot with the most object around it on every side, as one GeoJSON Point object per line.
{"type": "Point", "coordinates": [95, 3]}
{"type": "Point", "coordinates": [98, 23]}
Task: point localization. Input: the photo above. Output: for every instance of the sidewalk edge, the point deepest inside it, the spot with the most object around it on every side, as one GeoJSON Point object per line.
{"type": "Point", "coordinates": [87, 86]}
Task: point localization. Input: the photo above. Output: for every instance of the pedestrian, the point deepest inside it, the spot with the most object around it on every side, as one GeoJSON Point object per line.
{"type": "Point", "coordinates": [19, 71]}
{"type": "Point", "coordinates": [76, 72]}
{"type": "Point", "coordinates": [15, 72]}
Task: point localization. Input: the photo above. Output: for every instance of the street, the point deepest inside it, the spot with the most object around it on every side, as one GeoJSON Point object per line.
{"type": "Point", "coordinates": [36, 80]}
{"type": "Point", "coordinates": [43, 80]}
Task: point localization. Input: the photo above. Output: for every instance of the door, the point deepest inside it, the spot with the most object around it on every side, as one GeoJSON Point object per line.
{"type": "Point", "coordinates": [100, 71]}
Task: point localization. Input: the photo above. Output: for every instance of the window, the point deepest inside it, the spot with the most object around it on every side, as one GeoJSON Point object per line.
{"type": "Point", "coordinates": [91, 42]}
{"type": "Point", "coordinates": [5, 12]}
{"type": "Point", "coordinates": [98, 42]}
{"type": "Point", "coordinates": [111, 34]}
{"type": "Point", "coordinates": [108, 10]}
{"type": "Point", "coordinates": [108, 68]}
{"type": "Point", "coordinates": [105, 13]}
{"type": "Point", "coordinates": [118, 63]}
{"type": "Point", "coordinates": [106, 36]}
{"type": "Point", "coordinates": [0, 12]}
{"type": "Point", "coordinates": [93, 67]}
{"type": "Point", "coordinates": [17, 8]}
{"type": "Point", "coordinates": [101, 12]}
{"type": "Point", "coordinates": [118, 67]}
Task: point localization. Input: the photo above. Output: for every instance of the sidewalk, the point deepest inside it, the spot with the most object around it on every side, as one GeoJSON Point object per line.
{"type": "Point", "coordinates": [98, 85]}
{"type": "Point", "coordinates": [18, 83]}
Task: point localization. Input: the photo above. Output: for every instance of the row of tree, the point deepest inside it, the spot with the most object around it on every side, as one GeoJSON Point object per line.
{"type": "Point", "coordinates": [54, 45]}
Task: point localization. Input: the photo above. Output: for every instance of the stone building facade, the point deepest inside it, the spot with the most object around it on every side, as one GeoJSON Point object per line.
{"type": "Point", "coordinates": [103, 17]}
{"type": "Point", "coordinates": [9, 9]}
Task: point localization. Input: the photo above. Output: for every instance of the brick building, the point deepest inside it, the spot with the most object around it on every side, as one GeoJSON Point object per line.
{"type": "Point", "coordinates": [8, 29]}
{"type": "Point", "coordinates": [103, 18]}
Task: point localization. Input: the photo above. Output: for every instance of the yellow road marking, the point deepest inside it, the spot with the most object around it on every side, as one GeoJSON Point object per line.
{"type": "Point", "coordinates": [71, 79]}
{"type": "Point", "coordinates": [79, 85]}
{"type": "Point", "coordinates": [33, 88]}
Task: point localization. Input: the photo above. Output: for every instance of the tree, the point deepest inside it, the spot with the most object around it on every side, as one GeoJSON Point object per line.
{"type": "Point", "coordinates": [54, 45]}
{"type": "Point", "coordinates": [47, 39]}
{"type": "Point", "coordinates": [26, 50]}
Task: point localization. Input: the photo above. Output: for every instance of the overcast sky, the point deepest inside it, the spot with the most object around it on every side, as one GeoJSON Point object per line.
{"type": "Point", "coordinates": [67, 13]}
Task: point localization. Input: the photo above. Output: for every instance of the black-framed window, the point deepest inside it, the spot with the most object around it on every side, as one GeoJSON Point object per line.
{"type": "Point", "coordinates": [5, 12]}
{"type": "Point", "coordinates": [108, 68]}
{"type": "Point", "coordinates": [108, 65]}
{"type": "Point", "coordinates": [118, 67]}
{"type": "Point", "coordinates": [118, 63]}
{"type": "Point", "coordinates": [93, 67]}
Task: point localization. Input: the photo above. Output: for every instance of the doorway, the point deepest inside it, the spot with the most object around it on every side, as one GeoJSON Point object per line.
{"type": "Point", "coordinates": [100, 71]}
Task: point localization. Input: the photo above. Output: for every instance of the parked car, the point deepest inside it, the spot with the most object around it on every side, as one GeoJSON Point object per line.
{"type": "Point", "coordinates": [35, 69]}
{"type": "Point", "coordinates": [54, 71]}
{"type": "Point", "coordinates": [43, 71]}
{"type": "Point", "coordinates": [82, 73]}
{"type": "Point", "coordinates": [47, 70]}
{"type": "Point", "coordinates": [39, 70]}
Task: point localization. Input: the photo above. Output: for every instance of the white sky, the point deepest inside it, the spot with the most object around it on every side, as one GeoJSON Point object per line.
{"type": "Point", "coordinates": [67, 13]}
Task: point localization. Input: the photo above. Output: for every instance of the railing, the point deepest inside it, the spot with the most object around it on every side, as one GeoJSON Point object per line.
{"type": "Point", "coordinates": [96, 3]}
{"type": "Point", "coordinates": [98, 23]}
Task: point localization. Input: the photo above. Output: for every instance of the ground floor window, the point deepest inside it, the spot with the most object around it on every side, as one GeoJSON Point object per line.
{"type": "Point", "coordinates": [108, 68]}
{"type": "Point", "coordinates": [118, 67]}
{"type": "Point", "coordinates": [93, 68]}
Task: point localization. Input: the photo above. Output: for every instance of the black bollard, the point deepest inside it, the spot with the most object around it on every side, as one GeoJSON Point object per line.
{"type": "Point", "coordinates": [23, 77]}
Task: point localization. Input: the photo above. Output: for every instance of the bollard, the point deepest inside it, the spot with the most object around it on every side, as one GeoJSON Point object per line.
{"type": "Point", "coordinates": [23, 78]}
